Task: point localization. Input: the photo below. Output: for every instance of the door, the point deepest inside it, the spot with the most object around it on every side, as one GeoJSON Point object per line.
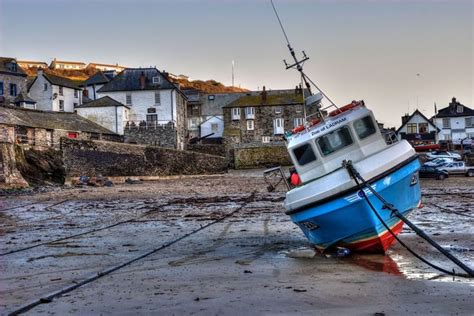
{"type": "Point", "coordinates": [278, 126]}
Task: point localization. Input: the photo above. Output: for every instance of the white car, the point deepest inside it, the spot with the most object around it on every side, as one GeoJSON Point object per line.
{"type": "Point", "coordinates": [443, 154]}
{"type": "Point", "coordinates": [438, 162]}
{"type": "Point", "coordinates": [458, 167]}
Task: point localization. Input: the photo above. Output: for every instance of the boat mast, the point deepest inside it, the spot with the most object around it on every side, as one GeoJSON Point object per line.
{"type": "Point", "coordinates": [298, 64]}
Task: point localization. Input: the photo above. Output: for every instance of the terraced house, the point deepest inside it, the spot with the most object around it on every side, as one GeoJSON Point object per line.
{"type": "Point", "coordinates": [55, 93]}
{"type": "Point", "coordinates": [12, 80]}
{"type": "Point", "coordinates": [456, 122]}
{"type": "Point", "coordinates": [157, 114]}
{"type": "Point", "coordinates": [262, 118]}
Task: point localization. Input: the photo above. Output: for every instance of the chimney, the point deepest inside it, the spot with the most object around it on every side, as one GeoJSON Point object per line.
{"type": "Point", "coordinates": [142, 80]}
{"type": "Point", "coordinates": [39, 72]}
{"type": "Point", "coordinates": [264, 95]}
{"type": "Point", "coordinates": [405, 118]}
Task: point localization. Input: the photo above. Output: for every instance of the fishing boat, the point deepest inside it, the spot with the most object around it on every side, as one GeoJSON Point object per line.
{"type": "Point", "coordinates": [329, 205]}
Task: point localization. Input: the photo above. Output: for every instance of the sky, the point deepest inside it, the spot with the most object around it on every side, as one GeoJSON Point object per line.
{"type": "Point", "coordinates": [396, 55]}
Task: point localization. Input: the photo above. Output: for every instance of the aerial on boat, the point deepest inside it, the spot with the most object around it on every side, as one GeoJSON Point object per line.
{"type": "Point", "coordinates": [327, 202]}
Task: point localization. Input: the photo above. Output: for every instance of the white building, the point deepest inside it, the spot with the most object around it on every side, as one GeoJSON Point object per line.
{"type": "Point", "coordinates": [213, 125]}
{"type": "Point", "coordinates": [417, 129]}
{"type": "Point", "coordinates": [152, 98]}
{"type": "Point", "coordinates": [69, 65]}
{"type": "Point", "coordinates": [54, 93]}
{"type": "Point", "coordinates": [106, 112]}
{"type": "Point", "coordinates": [456, 122]}
{"type": "Point", "coordinates": [106, 67]}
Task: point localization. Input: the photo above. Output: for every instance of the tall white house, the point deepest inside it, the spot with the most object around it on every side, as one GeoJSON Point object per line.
{"type": "Point", "coordinates": [152, 98]}
{"type": "Point", "coordinates": [456, 122]}
{"type": "Point", "coordinates": [55, 93]}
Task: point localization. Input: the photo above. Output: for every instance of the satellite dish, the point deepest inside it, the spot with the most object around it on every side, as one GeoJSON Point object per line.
{"type": "Point", "coordinates": [55, 95]}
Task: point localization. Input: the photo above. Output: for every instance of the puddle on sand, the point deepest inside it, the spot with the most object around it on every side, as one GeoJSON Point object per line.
{"type": "Point", "coordinates": [391, 263]}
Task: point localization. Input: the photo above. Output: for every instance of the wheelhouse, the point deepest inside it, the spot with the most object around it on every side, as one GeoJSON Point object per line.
{"type": "Point", "coordinates": [319, 150]}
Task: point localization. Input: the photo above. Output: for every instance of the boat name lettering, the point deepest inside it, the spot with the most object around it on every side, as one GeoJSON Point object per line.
{"type": "Point", "coordinates": [329, 125]}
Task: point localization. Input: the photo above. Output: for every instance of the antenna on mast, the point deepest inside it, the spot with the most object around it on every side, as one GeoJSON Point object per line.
{"type": "Point", "coordinates": [298, 64]}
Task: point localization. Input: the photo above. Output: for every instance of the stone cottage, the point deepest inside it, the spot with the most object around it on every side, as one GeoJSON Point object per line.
{"type": "Point", "coordinates": [45, 128]}
{"type": "Point", "coordinates": [12, 80]}
{"type": "Point", "coordinates": [157, 107]}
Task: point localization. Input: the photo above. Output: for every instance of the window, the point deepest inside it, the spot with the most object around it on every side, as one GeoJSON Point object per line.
{"type": "Point", "coordinates": [298, 121]}
{"type": "Point", "coordinates": [299, 108]}
{"type": "Point", "coordinates": [278, 126]}
{"type": "Point", "coordinates": [156, 80]}
{"type": "Point", "coordinates": [214, 127]}
{"type": "Point", "coordinates": [412, 128]}
{"type": "Point", "coordinates": [61, 105]}
{"type": "Point", "coordinates": [365, 127]}
{"type": "Point", "coordinates": [265, 139]}
{"type": "Point", "coordinates": [60, 90]}
{"type": "Point", "coordinates": [1, 88]}
{"type": "Point", "coordinates": [334, 141]}
{"type": "Point", "coordinates": [304, 154]}
{"type": "Point", "coordinates": [193, 122]}
{"type": "Point", "coordinates": [45, 86]}
{"type": "Point", "coordinates": [235, 114]}
{"type": "Point", "coordinates": [12, 89]}
{"type": "Point", "coordinates": [157, 98]}
{"type": "Point", "coordinates": [446, 123]}
{"type": "Point", "coordinates": [76, 94]}
{"type": "Point", "coordinates": [128, 99]}
{"type": "Point", "coordinates": [459, 109]}
{"type": "Point", "coordinates": [250, 113]}
{"type": "Point", "coordinates": [195, 110]}
{"type": "Point", "coordinates": [278, 110]}
{"type": "Point", "coordinates": [469, 121]}
{"type": "Point", "coordinates": [14, 67]}
{"type": "Point", "coordinates": [422, 128]}
{"type": "Point", "coordinates": [151, 119]}
{"type": "Point", "coordinates": [250, 125]}
{"type": "Point", "coordinates": [211, 97]}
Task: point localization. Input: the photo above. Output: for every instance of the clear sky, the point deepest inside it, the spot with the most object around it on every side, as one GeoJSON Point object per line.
{"type": "Point", "coordinates": [359, 49]}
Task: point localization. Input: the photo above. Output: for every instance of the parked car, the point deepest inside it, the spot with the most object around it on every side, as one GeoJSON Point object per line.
{"type": "Point", "coordinates": [438, 162]}
{"type": "Point", "coordinates": [442, 154]}
{"type": "Point", "coordinates": [458, 167]}
{"type": "Point", "coordinates": [432, 172]}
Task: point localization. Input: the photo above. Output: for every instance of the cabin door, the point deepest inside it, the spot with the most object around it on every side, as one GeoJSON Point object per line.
{"type": "Point", "coordinates": [278, 126]}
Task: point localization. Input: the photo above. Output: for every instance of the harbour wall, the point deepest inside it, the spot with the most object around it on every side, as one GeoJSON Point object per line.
{"type": "Point", "coordinates": [261, 156]}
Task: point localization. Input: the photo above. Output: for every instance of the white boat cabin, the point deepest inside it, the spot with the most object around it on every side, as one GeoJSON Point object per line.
{"type": "Point", "coordinates": [321, 148]}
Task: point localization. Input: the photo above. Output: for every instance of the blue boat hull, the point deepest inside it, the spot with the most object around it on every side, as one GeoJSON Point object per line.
{"type": "Point", "coordinates": [348, 220]}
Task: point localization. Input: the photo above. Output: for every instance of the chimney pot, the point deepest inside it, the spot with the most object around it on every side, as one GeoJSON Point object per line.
{"type": "Point", "coordinates": [264, 95]}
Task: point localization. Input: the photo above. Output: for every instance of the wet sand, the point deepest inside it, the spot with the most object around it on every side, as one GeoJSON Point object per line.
{"type": "Point", "coordinates": [255, 261]}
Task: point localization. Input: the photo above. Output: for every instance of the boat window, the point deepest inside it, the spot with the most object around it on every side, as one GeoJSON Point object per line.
{"type": "Point", "coordinates": [334, 141]}
{"type": "Point", "coordinates": [364, 127]}
{"type": "Point", "coordinates": [304, 154]}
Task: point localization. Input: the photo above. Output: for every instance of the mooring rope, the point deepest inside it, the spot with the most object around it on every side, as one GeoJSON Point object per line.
{"type": "Point", "coordinates": [356, 176]}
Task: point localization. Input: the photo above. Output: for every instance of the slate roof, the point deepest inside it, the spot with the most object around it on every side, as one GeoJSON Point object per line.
{"type": "Point", "coordinates": [451, 110]}
{"type": "Point", "coordinates": [274, 98]}
{"type": "Point", "coordinates": [102, 102]}
{"type": "Point", "coordinates": [49, 120]}
{"type": "Point", "coordinates": [22, 97]}
{"type": "Point", "coordinates": [129, 80]}
{"type": "Point", "coordinates": [61, 81]}
{"type": "Point", "coordinates": [5, 67]}
{"type": "Point", "coordinates": [97, 78]}
{"type": "Point", "coordinates": [423, 116]}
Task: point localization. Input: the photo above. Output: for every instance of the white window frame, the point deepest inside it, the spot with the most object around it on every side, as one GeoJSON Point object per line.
{"type": "Point", "coordinates": [299, 108]}
{"type": "Point", "coordinates": [266, 139]}
{"type": "Point", "coordinates": [157, 98]}
{"type": "Point", "coordinates": [250, 125]}
{"type": "Point", "coordinates": [278, 110]}
{"type": "Point", "coordinates": [156, 80]}
{"type": "Point", "coordinates": [448, 121]}
{"type": "Point", "coordinates": [250, 113]}
{"type": "Point", "coordinates": [61, 108]}
{"type": "Point", "coordinates": [469, 121]}
{"type": "Point", "coordinates": [128, 97]}
{"type": "Point", "coordinates": [216, 129]}
{"type": "Point", "coordinates": [235, 114]}
{"type": "Point", "coordinates": [297, 121]}
{"type": "Point", "coordinates": [278, 126]}
{"type": "Point", "coordinates": [61, 90]}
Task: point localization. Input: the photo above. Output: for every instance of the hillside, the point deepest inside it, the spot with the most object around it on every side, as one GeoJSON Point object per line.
{"type": "Point", "coordinates": [207, 86]}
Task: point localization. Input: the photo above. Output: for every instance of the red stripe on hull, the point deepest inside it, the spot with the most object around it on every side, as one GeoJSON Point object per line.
{"type": "Point", "coordinates": [377, 244]}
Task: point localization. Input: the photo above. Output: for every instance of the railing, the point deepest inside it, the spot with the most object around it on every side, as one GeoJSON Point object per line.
{"type": "Point", "coordinates": [390, 137]}
{"type": "Point", "coordinates": [149, 124]}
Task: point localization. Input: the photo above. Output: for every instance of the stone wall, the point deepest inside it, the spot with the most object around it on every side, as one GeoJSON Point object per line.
{"type": "Point", "coordinates": [10, 176]}
{"type": "Point", "coordinates": [162, 135]}
{"type": "Point", "coordinates": [7, 79]}
{"type": "Point", "coordinates": [260, 156]}
{"type": "Point", "coordinates": [93, 158]}
{"type": "Point", "coordinates": [211, 149]}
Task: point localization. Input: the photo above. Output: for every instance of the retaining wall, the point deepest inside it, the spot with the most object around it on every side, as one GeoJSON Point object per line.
{"type": "Point", "coordinates": [260, 156]}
